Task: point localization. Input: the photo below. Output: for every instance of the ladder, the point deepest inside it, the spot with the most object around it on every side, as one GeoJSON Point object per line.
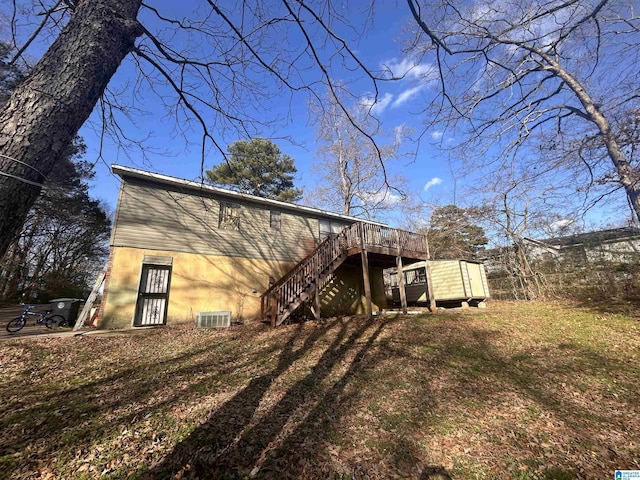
{"type": "Point", "coordinates": [82, 318]}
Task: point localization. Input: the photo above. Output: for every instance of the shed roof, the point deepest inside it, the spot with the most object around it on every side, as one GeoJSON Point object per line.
{"type": "Point", "coordinates": [201, 187]}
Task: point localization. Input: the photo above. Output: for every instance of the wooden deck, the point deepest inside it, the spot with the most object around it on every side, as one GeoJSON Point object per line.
{"type": "Point", "coordinates": [375, 245]}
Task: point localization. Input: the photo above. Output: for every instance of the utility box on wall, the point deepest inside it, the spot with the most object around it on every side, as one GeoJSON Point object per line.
{"type": "Point", "coordinates": [213, 319]}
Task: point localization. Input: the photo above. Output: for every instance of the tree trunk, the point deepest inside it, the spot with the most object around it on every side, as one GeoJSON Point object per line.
{"type": "Point", "coordinates": [46, 111]}
{"type": "Point", "coordinates": [10, 269]}
{"type": "Point", "coordinates": [628, 177]}
{"type": "Point", "coordinates": [523, 271]}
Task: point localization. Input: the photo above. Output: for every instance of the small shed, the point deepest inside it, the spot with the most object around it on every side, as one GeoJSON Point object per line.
{"type": "Point", "coordinates": [452, 281]}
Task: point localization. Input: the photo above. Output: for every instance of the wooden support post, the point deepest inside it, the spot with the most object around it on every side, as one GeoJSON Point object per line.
{"type": "Point", "coordinates": [427, 268]}
{"type": "Point", "coordinates": [432, 298]}
{"type": "Point", "coordinates": [401, 286]}
{"type": "Point", "coordinates": [273, 307]}
{"type": "Point", "coordinates": [316, 299]}
{"type": "Point", "coordinates": [365, 273]}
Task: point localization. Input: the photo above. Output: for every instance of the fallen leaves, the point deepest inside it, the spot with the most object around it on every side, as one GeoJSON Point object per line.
{"type": "Point", "coordinates": [514, 391]}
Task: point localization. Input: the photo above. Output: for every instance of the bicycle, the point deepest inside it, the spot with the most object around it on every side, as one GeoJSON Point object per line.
{"type": "Point", "coordinates": [50, 321]}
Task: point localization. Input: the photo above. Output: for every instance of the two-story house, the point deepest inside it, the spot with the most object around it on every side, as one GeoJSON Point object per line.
{"type": "Point", "coordinates": [181, 247]}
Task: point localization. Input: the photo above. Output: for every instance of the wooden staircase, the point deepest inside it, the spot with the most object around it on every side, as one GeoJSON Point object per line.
{"type": "Point", "coordinates": [300, 283]}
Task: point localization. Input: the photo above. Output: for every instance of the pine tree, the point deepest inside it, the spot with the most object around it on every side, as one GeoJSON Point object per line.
{"type": "Point", "coordinates": [258, 167]}
{"type": "Point", "coordinates": [452, 233]}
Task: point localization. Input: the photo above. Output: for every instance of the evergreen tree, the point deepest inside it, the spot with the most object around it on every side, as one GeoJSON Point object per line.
{"type": "Point", "coordinates": [64, 241]}
{"type": "Point", "coordinates": [452, 233]}
{"type": "Point", "coordinates": [258, 167]}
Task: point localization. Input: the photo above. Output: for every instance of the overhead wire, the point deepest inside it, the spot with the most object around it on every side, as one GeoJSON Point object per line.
{"type": "Point", "coordinates": [24, 180]}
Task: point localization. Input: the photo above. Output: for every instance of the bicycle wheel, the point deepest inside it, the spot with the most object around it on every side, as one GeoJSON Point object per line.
{"type": "Point", "coordinates": [16, 324]}
{"type": "Point", "coordinates": [55, 321]}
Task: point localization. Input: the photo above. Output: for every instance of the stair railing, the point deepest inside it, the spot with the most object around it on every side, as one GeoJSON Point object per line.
{"type": "Point", "coordinates": [289, 288]}
{"type": "Point", "coordinates": [309, 270]}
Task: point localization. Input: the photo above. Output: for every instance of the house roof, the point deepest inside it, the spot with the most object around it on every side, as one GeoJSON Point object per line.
{"type": "Point", "coordinates": [591, 238]}
{"type": "Point", "coordinates": [558, 243]}
{"type": "Point", "coordinates": [200, 187]}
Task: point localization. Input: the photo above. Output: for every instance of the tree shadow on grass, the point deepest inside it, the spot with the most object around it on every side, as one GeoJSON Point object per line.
{"type": "Point", "coordinates": [566, 383]}
{"type": "Point", "coordinates": [616, 306]}
{"type": "Point", "coordinates": [74, 417]}
{"type": "Point", "coordinates": [228, 442]}
{"type": "Point", "coordinates": [306, 450]}
{"type": "Point", "coordinates": [291, 437]}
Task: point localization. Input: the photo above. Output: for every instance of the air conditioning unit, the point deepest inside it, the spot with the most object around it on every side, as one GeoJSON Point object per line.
{"type": "Point", "coordinates": [213, 319]}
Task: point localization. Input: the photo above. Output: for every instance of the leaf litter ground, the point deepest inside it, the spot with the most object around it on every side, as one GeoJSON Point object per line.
{"type": "Point", "coordinates": [518, 390]}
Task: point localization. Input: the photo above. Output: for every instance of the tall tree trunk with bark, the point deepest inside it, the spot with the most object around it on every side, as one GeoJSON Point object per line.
{"type": "Point", "coordinates": [628, 176]}
{"type": "Point", "coordinates": [46, 111]}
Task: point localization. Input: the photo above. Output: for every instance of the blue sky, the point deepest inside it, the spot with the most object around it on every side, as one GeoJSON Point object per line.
{"type": "Point", "coordinates": [377, 44]}
{"type": "Point", "coordinates": [399, 103]}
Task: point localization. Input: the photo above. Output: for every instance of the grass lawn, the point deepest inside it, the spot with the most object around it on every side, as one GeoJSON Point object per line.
{"type": "Point", "coordinates": [517, 390]}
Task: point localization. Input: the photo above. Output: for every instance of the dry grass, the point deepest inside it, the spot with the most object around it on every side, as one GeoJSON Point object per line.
{"type": "Point", "coordinates": [523, 391]}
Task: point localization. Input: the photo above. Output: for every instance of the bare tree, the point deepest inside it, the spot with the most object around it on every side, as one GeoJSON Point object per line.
{"type": "Point", "coordinates": [554, 77]}
{"type": "Point", "coordinates": [212, 69]}
{"type": "Point", "coordinates": [519, 205]}
{"type": "Point", "coordinates": [351, 167]}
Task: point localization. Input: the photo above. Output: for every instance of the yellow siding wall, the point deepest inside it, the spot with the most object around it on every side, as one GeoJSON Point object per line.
{"type": "Point", "coordinates": [202, 283]}
{"type": "Point", "coordinates": [447, 280]}
{"type": "Point", "coordinates": [343, 294]}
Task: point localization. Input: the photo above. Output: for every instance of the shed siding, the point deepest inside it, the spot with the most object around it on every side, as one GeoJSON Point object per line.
{"type": "Point", "coordinates": [466, 281]}
{"type": "Point", "coordinates": [447, 280]}
{"type": "Point", "coordinates": [477, 280]}
{"type": "Point", "coordinates": [485, 283]}
{"type": "Point", "coordinates": [174, 220]}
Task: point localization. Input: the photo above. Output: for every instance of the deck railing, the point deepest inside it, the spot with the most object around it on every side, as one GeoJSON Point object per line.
{"type": "Point", "coordinates": [378, 235]}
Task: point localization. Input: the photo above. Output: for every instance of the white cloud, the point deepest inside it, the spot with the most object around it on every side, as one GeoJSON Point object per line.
{"type": "Point", "coordinates": [400, 133]}
{"type": "Point", "coordinates": [380, 198]}
{"type": "Point", "coordinates": [561, 224]}
{"type": "Point", "coordinates": [409, 69]}
{"type": "Point", "coordinates": [432, 183]}
{"type": "Point", "coordinates": [408, 94]}
{"type": "Point", "coordinates": [414, 77]}
{"type": "Point", "coordinates": [437, 134]}
{"type": "Point", "coordinates": [377, 106]}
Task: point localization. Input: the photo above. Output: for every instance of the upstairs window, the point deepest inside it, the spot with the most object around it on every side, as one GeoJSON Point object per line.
{"type": "Point", "coordinates": [328, 227]}
{"type": "Point", "coordinates": [275, 220]}
{"type": "Point", "coordinates": [229, 216]}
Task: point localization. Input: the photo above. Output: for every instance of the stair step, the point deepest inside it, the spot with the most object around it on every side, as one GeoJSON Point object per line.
{"type": "Point", "coordinates": [308, 286]}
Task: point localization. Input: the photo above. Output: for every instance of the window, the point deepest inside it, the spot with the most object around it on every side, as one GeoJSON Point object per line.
{"type": "Point", "coordinates": [328, 227]}
{"type": "Point", "coordinates": [415, 277]}
{"type": "Point", "coordinates": [275, 220]}
{"type": "Point", "coordinates": [229, 216]}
